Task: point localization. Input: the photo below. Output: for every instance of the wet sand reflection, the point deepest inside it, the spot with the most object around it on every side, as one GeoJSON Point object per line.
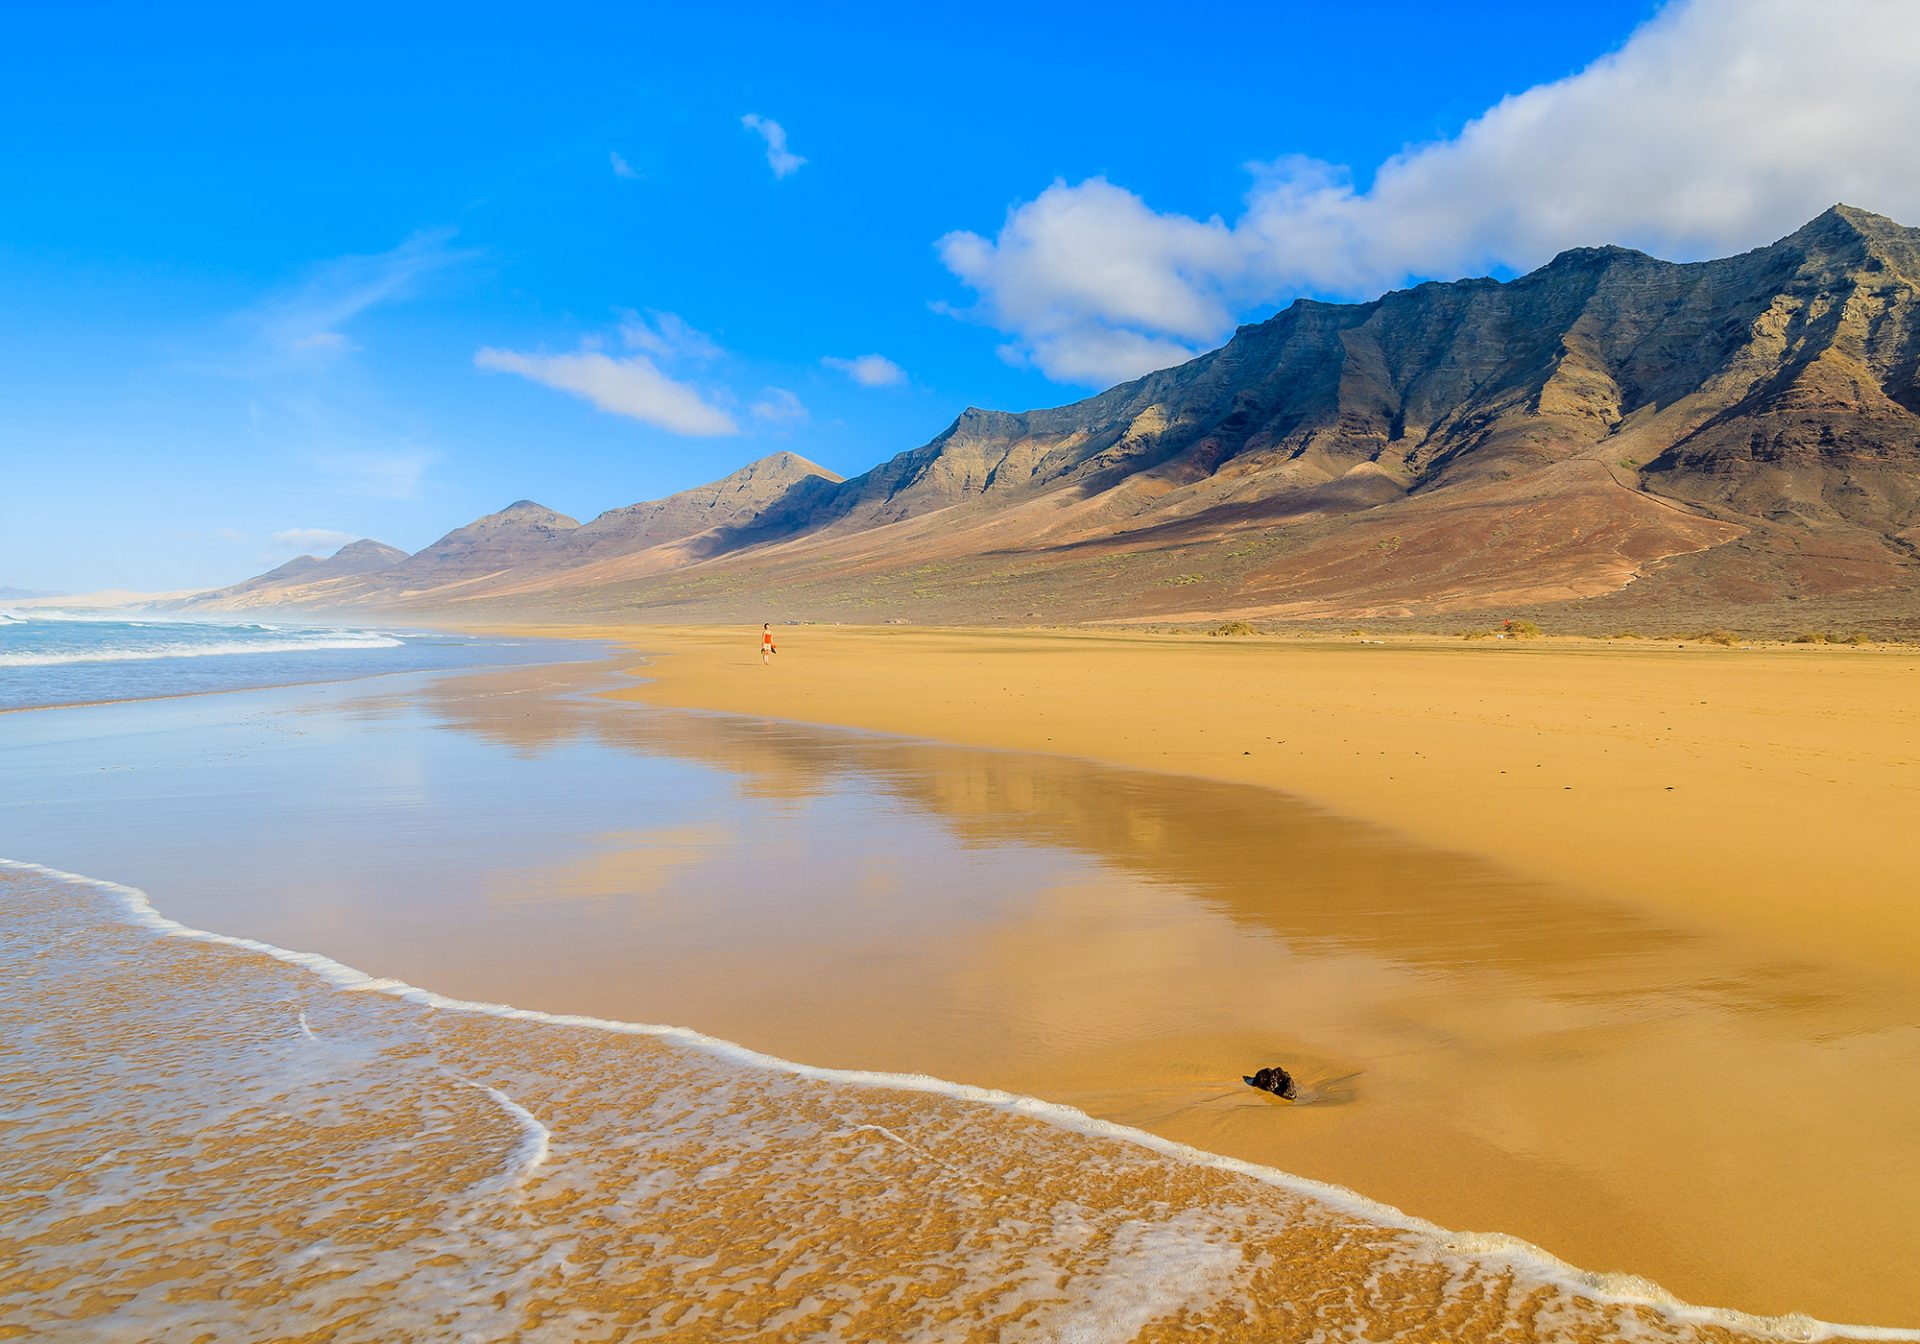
{"type": "Point", "coordinates": [1483, 1051]}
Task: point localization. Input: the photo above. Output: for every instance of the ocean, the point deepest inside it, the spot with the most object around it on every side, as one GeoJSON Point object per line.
{"type": "Point", "coordinates": [66, 658]}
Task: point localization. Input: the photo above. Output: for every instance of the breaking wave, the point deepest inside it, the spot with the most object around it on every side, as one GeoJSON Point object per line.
{"type": "Point", "coordinates": [148, 652]}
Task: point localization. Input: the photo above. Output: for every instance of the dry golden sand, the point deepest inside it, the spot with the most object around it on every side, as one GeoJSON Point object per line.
{"type": "Point", "coordinates": [1768, 792]}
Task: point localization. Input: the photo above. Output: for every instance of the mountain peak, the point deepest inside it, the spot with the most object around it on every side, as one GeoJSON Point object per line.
{"type": "Point", "coordinates": [1860, 221]}
{"type": "Point", "coordinates": [1593, 258]}
{"type": "Point", "coordinates": [1844, 228]}
{"type": "Point", "coordinates": [368, 549]}
{"type": "Point", "coordinates": [528, 513]}
{"type": "Point", "coordinates": [780, 466]}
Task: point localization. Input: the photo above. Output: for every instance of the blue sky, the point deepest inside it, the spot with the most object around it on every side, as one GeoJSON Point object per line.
{"type": "Point", "coordinates": [272, 280]}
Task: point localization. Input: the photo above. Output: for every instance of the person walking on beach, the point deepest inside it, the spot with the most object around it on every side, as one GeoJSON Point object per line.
{"type": "Point", "coordinates": [766, 644]}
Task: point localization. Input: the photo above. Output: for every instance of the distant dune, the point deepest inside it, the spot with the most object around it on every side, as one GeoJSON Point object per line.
{"type": "Point", "coordinates": [1611, 438]}
{"type": "Point", "coordinates": [107, 598]}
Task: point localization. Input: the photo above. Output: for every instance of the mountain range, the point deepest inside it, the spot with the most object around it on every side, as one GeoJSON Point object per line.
{"type": "Point", "coordinates": [1608, 434]}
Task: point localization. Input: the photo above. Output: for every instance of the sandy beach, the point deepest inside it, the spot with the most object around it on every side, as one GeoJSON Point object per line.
{"type": "Point", "coordinates": [1639, 1083]}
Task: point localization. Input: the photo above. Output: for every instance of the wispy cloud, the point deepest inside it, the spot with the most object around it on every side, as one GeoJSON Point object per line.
{"type": "Point", "coordinates": [312, 539]}
{"type": "Point", "coordinates": [868, 370]}
{"type": "Point", "coordinates": [634, 387]}
{"type": "Point", "coordinates": [621, 168]}
{"type": "Point", "coordinates": [782, 160]}
{"type": "Point", "coordinates": [336, 342]}
{"type": "Point", "coordinates": [339, 448]}
{"type": "Point", "coordinates": [1719, 125]}
{"type": "Point", "coordinates": [778, 406]}
{"type": "Point", "coordinates": [669, 336]}
{"type": "Point", "coordinates": [309, 318]}
{"type": "Point", "coordinates": [379, 472]}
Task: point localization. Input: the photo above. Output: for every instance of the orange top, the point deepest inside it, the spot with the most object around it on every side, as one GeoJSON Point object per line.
{"type": "Point", "coordinates": [766, 636]}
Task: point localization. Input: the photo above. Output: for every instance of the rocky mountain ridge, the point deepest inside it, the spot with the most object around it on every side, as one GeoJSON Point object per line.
{"type": "Point", "coordinates": [1742, 429]}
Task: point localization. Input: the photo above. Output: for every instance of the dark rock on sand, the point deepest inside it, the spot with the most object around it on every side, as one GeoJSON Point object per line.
{"type": "Point", "coordinates": [1275, 1080]}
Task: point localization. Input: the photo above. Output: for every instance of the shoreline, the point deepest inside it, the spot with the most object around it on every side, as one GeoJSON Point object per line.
{"type": "Point", "coordinates": [1208, 1015]}
{"type": "Point", "coordinates": [1501, 1249]}
{"type": "Point", "coordinates": [345, 679]}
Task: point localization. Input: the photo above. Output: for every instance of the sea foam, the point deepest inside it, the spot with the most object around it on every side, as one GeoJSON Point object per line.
{"type": "Point", "coordinates": [156, 652]}
{"type": "Point", "coordinates": [1160, 1265]}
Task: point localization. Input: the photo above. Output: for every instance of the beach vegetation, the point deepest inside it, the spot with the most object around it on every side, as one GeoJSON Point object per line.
{"type": "Point", "coordinates": [1232, 628]}
{"type": "Point", "coordinates": [1723, 637]}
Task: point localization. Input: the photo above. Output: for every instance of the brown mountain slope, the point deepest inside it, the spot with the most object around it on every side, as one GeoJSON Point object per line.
{"type": "Point", "coordinates": [529, 543]}
{"type": "Point", "coordinates": [1743, 430]}
{"type": "Point", "coordinates": [772, 488]}
{"type": "Point", "coordinates": [303, 574]}
{"type": "Point", "coordinates": [521, 534]}
{"type": "Point", "coordinates": [1477, 381]}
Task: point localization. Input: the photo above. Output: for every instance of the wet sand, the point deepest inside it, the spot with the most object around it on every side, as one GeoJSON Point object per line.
{"type": "Point", "coordinates": [1765, 793]}
{"type": "Point", "coordinates": [1633, 1091]}
{"type": "Point", "coordinates": [212, 1140]}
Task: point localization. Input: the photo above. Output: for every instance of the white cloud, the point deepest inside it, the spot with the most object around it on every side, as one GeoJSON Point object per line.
{"type": "Point", "coordinates": [869, 370]}
{"type": "Point", "coordinates": [777, 406]}
{"type": "Point", "coordinates": [633, 387]}
{"type": "Point", "coordinates": [1719, 125]}
{"type": "Point", "coordinates": [312, 539]}
{"type": "Point", "coordinates": [782, 160]}
{"type": "Point", "coordinates": [669, 336]}
{"type": "Point", "coordinates": [621, 168]}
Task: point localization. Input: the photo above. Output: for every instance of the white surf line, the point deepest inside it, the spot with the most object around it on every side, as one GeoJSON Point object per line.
{"type": "Point", "coordinates": [1483, 1247]}
{"type": "Point", "coordinates": [534, 1137]}
{"type": "Point", "coordinates": [536, 1140]}
{"type": "Point", "coordinates": [167, 651]}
